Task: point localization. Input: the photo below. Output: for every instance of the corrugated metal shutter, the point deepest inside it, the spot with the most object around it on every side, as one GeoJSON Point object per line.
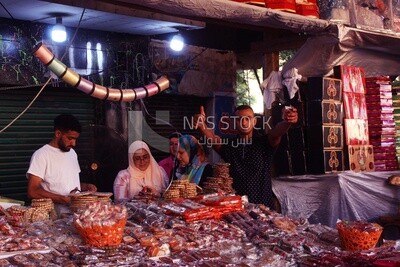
{"type": "Point", "coordinates": [33, 129]}
{"type": "Point", "coordinates": [178, 108]}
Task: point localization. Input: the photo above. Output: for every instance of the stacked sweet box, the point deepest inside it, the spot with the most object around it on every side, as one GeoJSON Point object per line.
{"type": "Point", "coordinates": [307, 8]}
{"type": "Point", "coordinates": [396, 115]}
{"type": "Point", "coordinates": [252, 2]}
{"type": "Point", "coordinates": [282, 5]}
{"type": "Point", "coordinates": [324, 120]}
{"type": "Point", "coordinates": [360, 152]}
{"type": "Point", "coordinates": [381, 124]}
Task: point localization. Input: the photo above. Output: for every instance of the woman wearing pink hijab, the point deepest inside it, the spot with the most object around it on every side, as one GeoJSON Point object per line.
{"type": "Point", "coordinates": [143, 174]}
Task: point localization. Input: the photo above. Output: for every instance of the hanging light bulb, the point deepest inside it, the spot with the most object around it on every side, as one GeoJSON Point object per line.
{"type": "Point", "coordinates": [177, 43]}
{"type": "Point", "coordinates": [58, 33]}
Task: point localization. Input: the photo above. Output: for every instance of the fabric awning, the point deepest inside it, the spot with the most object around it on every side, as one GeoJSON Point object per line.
{"type": "Point", "coordinates": [377, 53]}
{"type": "Point", "coordinates": [234, 12]}
{"type": "Point", "coordinates": [329, 44]}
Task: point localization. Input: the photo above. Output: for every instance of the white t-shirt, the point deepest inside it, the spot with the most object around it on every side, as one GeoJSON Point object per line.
{"type": "Point", "coordinates": [59, 170]}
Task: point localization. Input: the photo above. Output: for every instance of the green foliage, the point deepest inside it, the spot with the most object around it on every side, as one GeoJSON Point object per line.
{"type": "Point", "coordinates": [243, 96]}
{"type": "Point", "coordinates": [243, 77]}
{"type": "Point", "coordinates": [285, 56]}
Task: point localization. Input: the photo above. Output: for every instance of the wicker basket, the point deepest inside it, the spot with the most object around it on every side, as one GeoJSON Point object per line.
{"type": "Point", "coordinates": [103, 236]}
{"type": "Point", "coordinates": [355, 236]}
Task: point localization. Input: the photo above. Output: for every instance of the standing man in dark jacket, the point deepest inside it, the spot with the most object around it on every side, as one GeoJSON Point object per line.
{"type": "Point", "coordinates": [250, 154]}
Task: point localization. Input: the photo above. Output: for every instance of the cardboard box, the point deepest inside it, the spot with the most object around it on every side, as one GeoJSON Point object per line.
{"type": "Point", "coordinates": [252, 2]}
{"type": "Point", "coordinates": [353, 78]}
{"type": "Point", "coordinates": [361, 158]}
{"type": "Point", "coordinates": [325, 161]}
{"type": "Point", "coordinates": [324, 112]}
{"type": "Point", "coordinates": [282, 5]}
{"type": "Point", "coordinates": [308, 9]}
{"type": "Point", "coordinates": [355, 106]}
{"type": "Point", "coordinates": [325, 137]}
{"type": "Point", "coordinates": [356, 131]}
{"type": "Point", "coordinates": [324, 88]}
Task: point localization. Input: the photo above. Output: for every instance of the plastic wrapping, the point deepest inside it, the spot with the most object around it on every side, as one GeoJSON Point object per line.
{"type": "Point", "coordinates": [376, 53]}
{"type": "Point", "coordinates": [372, 14]}
{"type": "Point", "coordinates": [145, 215]}
{"type": "Point", "coordinates": [334, 10]}
{"type": "Point", "coordinates": [346, 195]}
{"type": "Point", "coordinates": [396, 16]}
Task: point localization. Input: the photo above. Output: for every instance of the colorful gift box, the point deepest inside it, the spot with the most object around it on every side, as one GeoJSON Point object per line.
{"type": "Point", "coordinates": [252, 2]}
{"type": "Point", "coordinates": [355, 106]}
{"type": "Point", "coordinates": [308, 9]}
{"type": "Point", "coordinates": [282, 5]}
{"type": "Point", "coordinates": [356, 131]}
{"type": "Point", "coordinates": [324, 88]}
{"type": "Point", "coordinates": [324, 112]}
{"type": "Point", "coordinates": [353, 78]}
{"type": "Point", "coordinates": [361, 158]}
{"type": "Point", "coordinates": [325, 137]}
{"type": "Point", "coordinates": [325, 161]}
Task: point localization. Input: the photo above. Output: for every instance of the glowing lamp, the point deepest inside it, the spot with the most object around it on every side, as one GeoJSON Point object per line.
{"type": "Point", "coordinates": [177, 43]}
{"type": "Point", "coordinates": [58, 33]}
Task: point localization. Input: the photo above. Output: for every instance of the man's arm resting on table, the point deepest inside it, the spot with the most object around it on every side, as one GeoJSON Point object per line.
{"type": "Point", "coordinates": [35, 190]}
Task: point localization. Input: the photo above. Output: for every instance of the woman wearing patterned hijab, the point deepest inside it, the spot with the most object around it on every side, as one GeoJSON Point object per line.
{"type": "Point", "coordinates": [192, 160]}
{"type": "Point", "coordinates": [143, 174]}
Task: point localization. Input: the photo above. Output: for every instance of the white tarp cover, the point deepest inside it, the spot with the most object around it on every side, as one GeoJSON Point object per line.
{"type": "Point", "coordinates": [377, 53]}
{"type": "Point", "coordinates": [346, 195]}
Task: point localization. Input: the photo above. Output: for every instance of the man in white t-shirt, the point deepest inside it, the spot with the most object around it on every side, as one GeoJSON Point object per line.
{"type": "Point", "coordinates": [54, 169]}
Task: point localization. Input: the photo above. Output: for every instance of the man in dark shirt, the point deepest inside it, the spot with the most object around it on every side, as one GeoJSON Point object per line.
{"type": "Point", "coordinates": [250, 155]}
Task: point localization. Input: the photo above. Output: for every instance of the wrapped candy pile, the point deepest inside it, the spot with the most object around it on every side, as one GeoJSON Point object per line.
{"type": "Point", "coordinates": [101, 224]}
{"type": "Point", "coordinates": [358, 235]}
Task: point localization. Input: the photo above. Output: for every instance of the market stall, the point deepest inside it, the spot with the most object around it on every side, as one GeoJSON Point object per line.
{"type": "Point", "coordinates": [217, 229]}
{"type": "Point", "coordinates": [349, 138]}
